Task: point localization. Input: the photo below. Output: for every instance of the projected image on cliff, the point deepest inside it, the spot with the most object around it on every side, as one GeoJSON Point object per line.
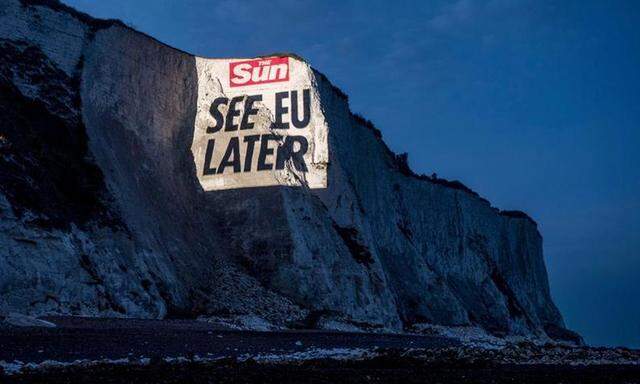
{"type": "Point", "coordinates": [258, 123]}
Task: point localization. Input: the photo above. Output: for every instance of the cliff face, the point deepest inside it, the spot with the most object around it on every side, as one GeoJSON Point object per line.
{"type": "Point", "coordinates": [106, 210]}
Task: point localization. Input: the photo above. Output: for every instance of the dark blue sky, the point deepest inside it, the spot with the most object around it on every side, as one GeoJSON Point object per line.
{"type": "Point", "coordinates": [534, 104]}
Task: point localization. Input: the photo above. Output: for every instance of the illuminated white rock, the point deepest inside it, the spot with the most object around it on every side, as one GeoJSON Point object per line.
{"type": "Point", "coordinates": [260, 132]}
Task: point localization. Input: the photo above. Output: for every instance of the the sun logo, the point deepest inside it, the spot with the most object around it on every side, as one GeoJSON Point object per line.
{"type": "Point", "coordinates": [259, 71]}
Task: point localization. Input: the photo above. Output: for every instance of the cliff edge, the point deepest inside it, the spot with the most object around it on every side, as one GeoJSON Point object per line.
{"type": "Point", "coordinates": [138, 180]}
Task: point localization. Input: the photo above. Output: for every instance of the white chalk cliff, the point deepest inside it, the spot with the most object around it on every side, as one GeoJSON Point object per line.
{"type": "Point", "coordinates": [102, 212]}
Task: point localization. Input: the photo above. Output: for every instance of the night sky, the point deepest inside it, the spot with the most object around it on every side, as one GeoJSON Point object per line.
{"type": "Point", "coordinates": [533, 104]}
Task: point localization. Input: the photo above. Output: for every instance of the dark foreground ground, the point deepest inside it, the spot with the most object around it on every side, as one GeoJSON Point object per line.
{"type": "Point", "coordinates": [387, 369]}
{"type": "Point", "coordinates": [379, 370]}
{"type": "Point", "coordinates": [93, 339]}
{"type": "Point", "coordinates": [229, 357]}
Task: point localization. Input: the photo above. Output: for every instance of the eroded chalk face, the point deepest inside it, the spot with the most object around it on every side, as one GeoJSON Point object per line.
{"type": "Point", "coordinates": [258, 123]}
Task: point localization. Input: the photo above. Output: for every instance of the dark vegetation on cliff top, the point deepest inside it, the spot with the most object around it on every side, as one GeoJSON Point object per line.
{"type": "Point", "coordinates": [58, 6]}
